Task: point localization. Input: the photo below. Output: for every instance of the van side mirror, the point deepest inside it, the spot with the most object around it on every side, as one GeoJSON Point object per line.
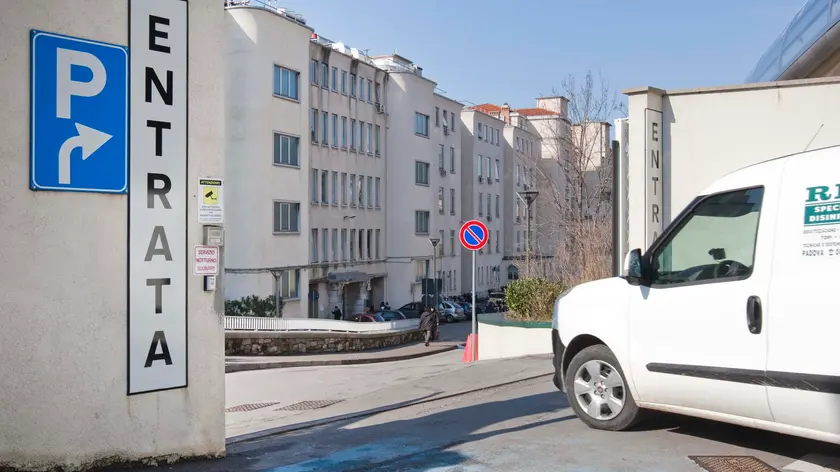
{"type": "Point", "coordinates": [633, 265]}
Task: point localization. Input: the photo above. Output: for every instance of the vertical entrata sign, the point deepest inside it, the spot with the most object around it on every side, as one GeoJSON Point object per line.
{"type": "Point", "coordinates": [157, 200]}
{"type": "Point", "coordinates": [653, 175]}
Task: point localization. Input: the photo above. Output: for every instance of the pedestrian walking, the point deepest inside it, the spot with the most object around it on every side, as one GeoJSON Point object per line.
{"type": "Point", "coordinates": [337, 313]}
{"type": "Point", "coordinates": [429, 323]}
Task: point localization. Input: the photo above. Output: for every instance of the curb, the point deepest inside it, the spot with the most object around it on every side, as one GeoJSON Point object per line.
{"type": "Point", "coordinates": [247, 366]}
{"type": "Point", "coordinates": [322, 422]}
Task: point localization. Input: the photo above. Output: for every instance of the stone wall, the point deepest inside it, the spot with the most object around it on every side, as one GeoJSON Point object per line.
{"type": "Point", "coordinates": [278, 343]}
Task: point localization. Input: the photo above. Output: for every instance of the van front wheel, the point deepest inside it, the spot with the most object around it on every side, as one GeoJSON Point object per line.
{"type": "Point", "coordinates": [598, 392]}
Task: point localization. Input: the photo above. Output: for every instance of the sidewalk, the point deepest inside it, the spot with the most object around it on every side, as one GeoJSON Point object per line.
{"type": "Point", "coordinates": [301, 398]}
{"type": "Point", "coordinates": [398, 353]}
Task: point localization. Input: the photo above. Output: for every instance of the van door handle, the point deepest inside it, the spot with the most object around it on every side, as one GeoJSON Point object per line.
{"type": "Point", "coordinates": [754, 314]}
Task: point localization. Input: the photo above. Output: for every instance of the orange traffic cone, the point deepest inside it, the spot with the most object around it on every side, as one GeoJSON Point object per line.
{"type": "Point", "coordinates": [468, 349]}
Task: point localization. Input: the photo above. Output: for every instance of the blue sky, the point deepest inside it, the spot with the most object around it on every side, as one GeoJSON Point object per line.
{"type": "Point", "coordinates": [503, 51]}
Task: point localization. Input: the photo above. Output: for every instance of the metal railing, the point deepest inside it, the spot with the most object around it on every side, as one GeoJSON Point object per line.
{"type": "Point", "coordinates": [809, 24]}
{"type": "Point", "coordinates": [272, 5]}
{"type": "Point", "coordinates": [252, 323]}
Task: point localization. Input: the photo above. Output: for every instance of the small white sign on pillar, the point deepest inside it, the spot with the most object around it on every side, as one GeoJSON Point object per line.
{"type": "Point", "coordinates": [206, 260]}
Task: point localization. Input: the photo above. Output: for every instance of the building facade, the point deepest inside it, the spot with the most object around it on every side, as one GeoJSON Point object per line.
{"type": "Point", "coordinates": [482, 188]}
{"type": "Point", "coordinates": [416, 134]}
{"type": "Point", "coordinates": [267, 157]}
{"type": "Point", "coordinates": [347, 179]}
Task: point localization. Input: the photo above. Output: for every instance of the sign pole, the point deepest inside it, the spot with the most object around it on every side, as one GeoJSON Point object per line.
{"type": "Point", "coordinates": [475, 313]}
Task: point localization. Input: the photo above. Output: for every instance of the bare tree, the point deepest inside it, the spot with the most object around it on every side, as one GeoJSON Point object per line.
{"type": "Point", "coordinates": [574, 216]}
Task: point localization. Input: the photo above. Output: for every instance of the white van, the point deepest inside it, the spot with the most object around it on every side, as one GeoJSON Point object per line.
{"type": "Point", "coordinates": [732, 314]}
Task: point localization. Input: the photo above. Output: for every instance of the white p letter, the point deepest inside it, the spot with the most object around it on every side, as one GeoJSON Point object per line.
{"type": "Point", "coordinates": [66, 87]}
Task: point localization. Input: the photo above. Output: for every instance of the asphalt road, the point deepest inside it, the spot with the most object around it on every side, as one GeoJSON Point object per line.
{"type": "Point", "coordinates": [457, 331]}
{"type": "Point", "coordinates": [521, 427]}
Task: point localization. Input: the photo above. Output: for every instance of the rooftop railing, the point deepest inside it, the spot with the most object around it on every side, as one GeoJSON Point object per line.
{"type": "Point", "coordinates": [812, 21]}
{"type": "Point", "coordinates": [272, 5]}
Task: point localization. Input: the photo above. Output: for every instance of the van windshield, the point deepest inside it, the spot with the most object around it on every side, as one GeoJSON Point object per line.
{"type": "Point", "coordinates": [715, 240]}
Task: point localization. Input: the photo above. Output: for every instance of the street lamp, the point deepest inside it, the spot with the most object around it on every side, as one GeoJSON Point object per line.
{"type": "Point", "coordinates": [434, 242]}
{"type": "Point", "coordinates": [528, 196]}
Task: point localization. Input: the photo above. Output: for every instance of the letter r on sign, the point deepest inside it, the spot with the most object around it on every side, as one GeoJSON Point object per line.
{"type": "Point", "coordinates": [66, 87]}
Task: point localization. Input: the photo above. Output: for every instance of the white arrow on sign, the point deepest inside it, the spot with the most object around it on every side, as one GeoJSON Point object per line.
{"type": "Point", "coordinates": [88, 139]}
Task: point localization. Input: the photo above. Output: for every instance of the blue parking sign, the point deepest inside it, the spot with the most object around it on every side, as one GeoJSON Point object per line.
{"type": "Point", "coordinates": [79, 115]}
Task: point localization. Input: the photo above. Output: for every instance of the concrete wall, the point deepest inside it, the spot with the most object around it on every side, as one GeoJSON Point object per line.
{"type": "Point", "coordinates": [63, 274]}
{"type": "Point", "coordinates": [502, 342]}
{"type": "Point", "coordinates": [254, 181]}
{"type": "Point", "coordinates": [708, 133]}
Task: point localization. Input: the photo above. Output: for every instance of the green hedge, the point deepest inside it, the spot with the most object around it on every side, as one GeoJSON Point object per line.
{"type": "Point", "coordinates": [253, 305]}
{"type": "Point", "coordinates": [532, 299]}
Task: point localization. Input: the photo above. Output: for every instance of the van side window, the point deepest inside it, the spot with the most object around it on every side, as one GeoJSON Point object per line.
{"type": "Point", "coordinates": [715, 241]}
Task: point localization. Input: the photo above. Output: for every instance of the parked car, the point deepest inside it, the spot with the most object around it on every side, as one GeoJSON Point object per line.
{"type": "Point", "coordinates": [451, 312]}
{"type": "Point", "coordinates": [391, 315]}
{"type": "Point", "coordinates": [412, 309]}
{"type": "Point", "coordinates": [729, 315]}
{"type": "Point", "coordinates": [365, 318]}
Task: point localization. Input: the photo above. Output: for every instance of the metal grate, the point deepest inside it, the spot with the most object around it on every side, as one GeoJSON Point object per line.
{"type": "Point", "coordinates": [249, 407]}
{"type": "Point", "coordinates": [732, 464]}
{"type": "Point", "coordinates": [309, 405]}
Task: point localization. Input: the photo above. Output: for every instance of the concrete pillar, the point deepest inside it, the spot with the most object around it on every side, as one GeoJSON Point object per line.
{"type": "Point", "coordinates": [63, 263]}
{"type": "Point", "coordinates": [647, 167]}
{"type": "Point", "coordinates": [363, 297]}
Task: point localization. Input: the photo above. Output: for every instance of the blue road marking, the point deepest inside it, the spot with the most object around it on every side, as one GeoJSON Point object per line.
{"type": "Point", "coordinates": [79, 114]}
{"type": "Point", "coordinates": [364, 456]}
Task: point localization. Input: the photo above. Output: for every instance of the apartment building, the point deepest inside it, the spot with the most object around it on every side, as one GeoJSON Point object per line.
{"type": "Point", "coordinates": [483, 189]}
{"type": "Point", "coordinates": [266, 163]}
{"type": "Point", "coordinates": [347, 179]}
{"type": "Point", "coordinates": [421, 137]}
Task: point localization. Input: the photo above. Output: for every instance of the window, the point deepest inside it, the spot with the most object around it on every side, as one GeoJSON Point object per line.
{"type": "Point", "coordinates": [497, 170]}
{"type": "Point", "coordinates": [369, 137]}
{"type": "Point", "coordinates": [361, 88]}
{"type": "Point", "coordinates": [437, 116]}
{"type": "Point", "coordinates": [325, 75]}
{"type": "Point", "coordinates": [286, 150]}
{"type": "Point", "coordinates": [452, 201]}
{"type": "Point", "coordinates": [334, 78]}
{"type": "Point", "coordinates": [344, 82]}
{"type": "Point", "coordinates": [714, 241]}
{"type": "Point", "coordinates": [314, 185]}
{"type": "Point", "coordinates": [451, 242]}
{"type": "Point", "coordinates": [334, 141]}
{"type": "Point", "coordinates": [441, 248]}
{"type": "Point", "coordinates": [370, 87]}
{"type": "Point", "coordinates": [352, 85]}
{"type": "Point", "coordinates": [313, 72]}
{"type": "Point", "coordinates": [352, 134]}
{"type": "Point", "coordinates": [518, 241]}
{"type": "Point", "coordinates": [480, 204]}
{"type": "Point", "coordinates": [421, 124]}
{"type": "Point", "coordinates": [286, 82]}
{"type": "Point", "coordinates": [344, 188]}
{"type": "Point", "coordinates": [480, 165]}
{"type": "Point", "coordinates": [361, 136]}
{"type": "Point", "coordinates": [361, 191]}
{"type": "Point", "coordinates": [440, 200]}
{"type": "Point", "coordinates": [286, 217]}
{"type": "Point", "coordinates": [485, 134]}
{"type": "Point", "coordinates": [352, 244]}
{"type": "Point", "coordinates": [324, 188]}
{"type": "Point", "coordinates": [445, 119]}
{"type": "Point", "coordinates": [452, 159]}
{"type": "Point", "coordinates": [325, 118]}
{"type": "Point", "coordinates": [376, 148]}
{"type": "Point", "coordinates": [343, 244]}
{"type": "Point", "coordinates": [421, 270]}
{"type": "Point", "coordinates": [313, 246]}
{"type": "Point", "coordinates": [377, 241]}
{"type": "Point", "coordinates": [313, 125]}
{"type": "Point", "coordinates": [335, 188]}
{"type": "Point", "coordinates": [421, 222]}
{"type": "Point", "coordinates": [334, 245]}
{"type": "Point", "coordinates": [376, 190]}
{"type": "Point", "coordinates": [369, 244]}
{"type": "Point", "coordinates": [489, 203]}
{"type": "Point", "coordinates": [497, 207]}
{"type": "Point", "coordinates": [352, 190]}
{"type": "Point", "coordinates": [370, 192]}
{"type": "Point", "coordinates": [497, 241]}
{"type": "Point", "coordinates": [361, 246]}
{"type": "Point", "coordinates": [421, 173]}
{"type": "Point", "coordinates": [344, 132]}
{"type": "Point", "coordinates": [441, 163]}
{"type": "Point", "coordinates": [289, 285]}
{"type": "Point", "coordinates": [478, 131]}
{"type": "Point", "coordinates": [325, 251]}
{"type": "Point", "coordinates": [489, 166]}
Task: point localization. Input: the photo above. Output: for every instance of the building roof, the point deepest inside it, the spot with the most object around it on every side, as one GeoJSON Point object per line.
{"type": "Point", "coordinates": [535, 112]}
{"type": "Point", "coordinates": [488, 108]}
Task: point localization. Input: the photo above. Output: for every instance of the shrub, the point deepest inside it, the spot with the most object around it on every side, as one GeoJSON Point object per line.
{"type": "Point", "coordinates": [252, 305]}
{"type": "Point", "coordinates": [532, 298]}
